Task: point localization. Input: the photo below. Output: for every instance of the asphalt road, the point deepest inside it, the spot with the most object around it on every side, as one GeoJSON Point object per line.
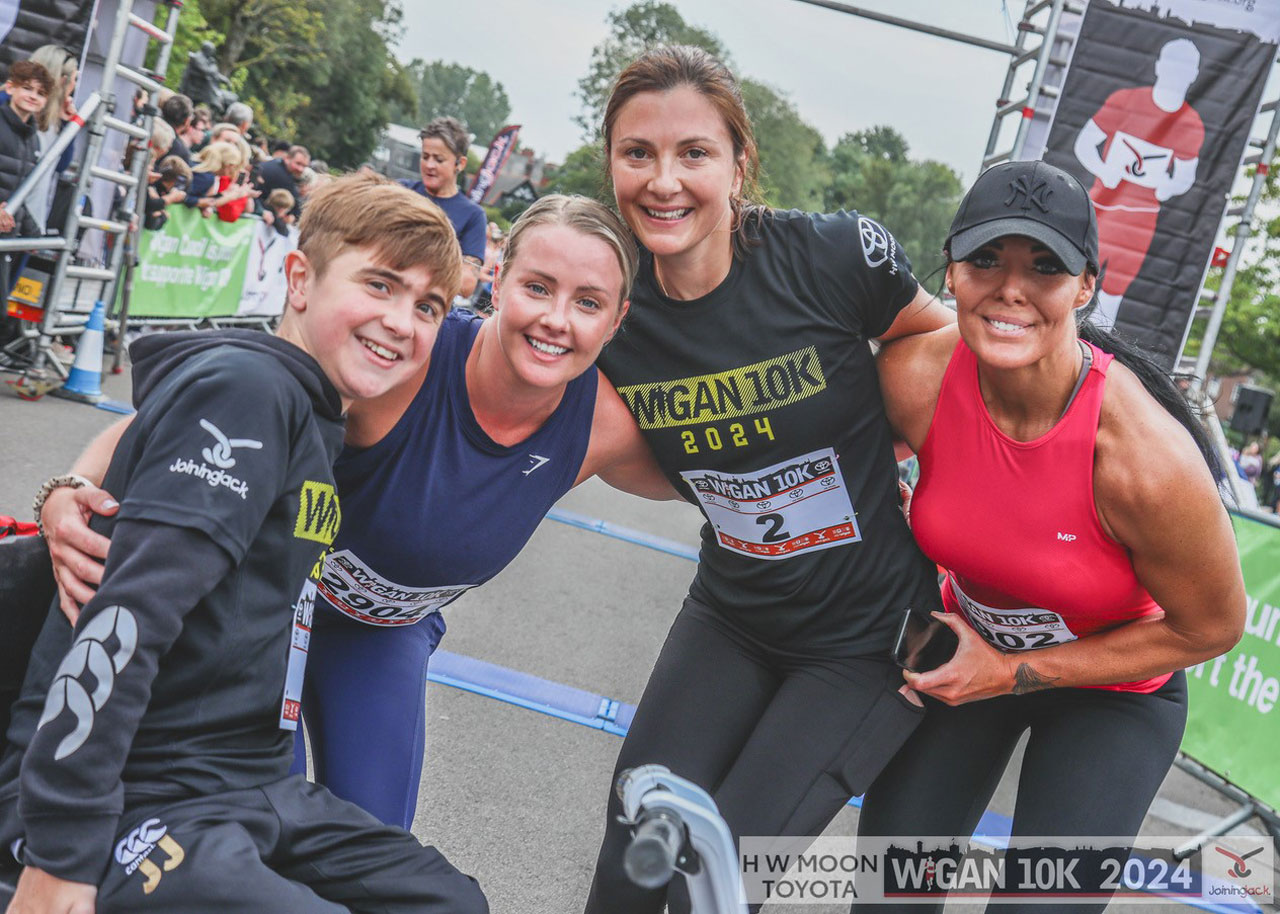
{"type": "Point", "coordinates": [512, 796]}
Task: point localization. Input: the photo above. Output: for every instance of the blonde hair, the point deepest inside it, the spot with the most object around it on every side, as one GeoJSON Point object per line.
{"type": "Point", "coordinates": [216, 156]}
{"type": "Point", "coordinates": [586, 216]}
{"type": "Point", "coordinates": [402, 229]}
{"type": "Point", "coordinates": [280, 199]}
{"type": "Point", "coordinates": [63, 67]}
{"type": "Point", "coordinates": [162, 137]}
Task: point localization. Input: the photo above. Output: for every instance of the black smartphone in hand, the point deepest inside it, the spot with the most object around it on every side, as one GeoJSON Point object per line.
{"type": "Point", "coordinates": [923, 643]}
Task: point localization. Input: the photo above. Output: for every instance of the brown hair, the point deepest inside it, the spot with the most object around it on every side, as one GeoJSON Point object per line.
{"type": "Point", "coordinates": [401, 228]}
{"type": "Point", "coordinates": [448, 130]}
{"type": "Point", "coordinates": [664, 68]}
{"type": "Point", "coordinates": [586, 216]}
{"type": "Point", "coordinates": [28, 71]}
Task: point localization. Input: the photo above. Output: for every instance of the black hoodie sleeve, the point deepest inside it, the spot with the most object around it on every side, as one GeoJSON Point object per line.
{"type": "Point", "coordinates": [198, 470]}
{"type": "Point", "coordinates": [213, 446]}
{"type": "Point", "coordinates": [71, 796]}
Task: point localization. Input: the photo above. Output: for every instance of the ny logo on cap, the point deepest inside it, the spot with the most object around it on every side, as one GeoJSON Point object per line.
{"type": "Point", "coordinates": [1037, 193]}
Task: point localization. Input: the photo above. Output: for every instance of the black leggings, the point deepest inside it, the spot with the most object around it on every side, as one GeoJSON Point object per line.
{"type": "Point", "coordinates": [1093, 764]}
{"type": "Point", "coordinates": [780, 742]}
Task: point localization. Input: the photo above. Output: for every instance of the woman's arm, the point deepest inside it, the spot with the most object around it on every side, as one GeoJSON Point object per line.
{"type": "Point", "coordinates": [78, 552]}
{"type": "Point", "coordinates": [618, 453]}
{"type": "Point", "coordinates": [922, 314]}
{"type": "Point", "coordinates": [1156, 497]}
{"type": "Point", "coordinates": [911, 369]}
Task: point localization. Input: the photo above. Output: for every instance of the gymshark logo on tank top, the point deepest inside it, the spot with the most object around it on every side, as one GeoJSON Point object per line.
{"type": "Point", "coordinates": [744, 391]}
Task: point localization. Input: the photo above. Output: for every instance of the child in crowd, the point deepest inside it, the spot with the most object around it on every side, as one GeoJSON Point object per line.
{"type": "Point", "coordinates": [280, 205]}
{"type": "Point", "coordinates": [170, 186]}
{"type": "Point", "coordinates": [148, 755]}
{"type": "Point", "coordinates": [28, 87]}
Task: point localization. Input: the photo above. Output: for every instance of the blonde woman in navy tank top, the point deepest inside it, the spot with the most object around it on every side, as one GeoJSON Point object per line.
{"type": "Point", "coordinates": [1070, 495]}
{"type": "Point", "coordinates": [429, 470]}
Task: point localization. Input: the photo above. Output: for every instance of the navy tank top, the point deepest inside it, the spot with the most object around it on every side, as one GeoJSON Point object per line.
{"type": "Point", "coordinates": [437, 506]}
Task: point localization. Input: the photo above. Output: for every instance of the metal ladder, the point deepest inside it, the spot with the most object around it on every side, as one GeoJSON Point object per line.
{"type": "Point", "coordinates": [36, 380]}
{"type": "Point", "coordinates": [1042, 18]}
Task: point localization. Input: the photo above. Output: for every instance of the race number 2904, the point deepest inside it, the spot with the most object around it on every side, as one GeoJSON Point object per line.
{"type": "Point", "coordinates": [793, 507]}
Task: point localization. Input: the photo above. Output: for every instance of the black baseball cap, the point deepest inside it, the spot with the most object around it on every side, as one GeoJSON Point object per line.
{"type": "Point", "coordinates": [1033, 199]}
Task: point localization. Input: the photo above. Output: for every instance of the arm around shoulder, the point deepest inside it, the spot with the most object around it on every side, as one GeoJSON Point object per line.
{"type": "Point", "coordinates": [911, 370]}
{"type": "Point", "coordinates": [618, 453]}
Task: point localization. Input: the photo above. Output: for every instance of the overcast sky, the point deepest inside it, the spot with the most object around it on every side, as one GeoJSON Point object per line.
{"type": "Point", "coordinates": [843, 72]}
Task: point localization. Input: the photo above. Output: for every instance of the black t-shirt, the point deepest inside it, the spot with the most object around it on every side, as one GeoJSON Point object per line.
{"type": "Point", "coordinates": [174, 681]}
{"type": "Point", "coordinates": [762, 405]}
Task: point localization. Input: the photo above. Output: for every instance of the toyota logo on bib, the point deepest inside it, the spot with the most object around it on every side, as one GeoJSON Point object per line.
{"type": "Point", "coordinates": [875, 242]}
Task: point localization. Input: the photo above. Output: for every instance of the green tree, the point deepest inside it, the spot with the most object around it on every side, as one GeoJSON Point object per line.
{"type": "Point", "coordinates": [872, 172]}
{"type": "Point", "coordinates": [319, 72]}
{"type": "Point", "coordinates": [633, 31]}
{"type": "Point", "coordinates": [1249, 339]}
{"type": "Point", "coordinates": [582, 173]}
{"type": "Point", "coordinates": [450, 89]}
{"type": "Point", "coordinates": [793, 157]}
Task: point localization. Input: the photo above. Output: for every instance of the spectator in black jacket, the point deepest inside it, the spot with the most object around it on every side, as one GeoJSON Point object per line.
{"type": "Point", "coordinates": [284, 173]}
{"type": "Point", "coordinates": [177, 111]}
{"type": "Point", "coordinates": [28, 87]}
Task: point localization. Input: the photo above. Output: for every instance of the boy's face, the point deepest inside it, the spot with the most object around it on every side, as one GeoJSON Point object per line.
{"type": "Point", "coordinates": [26, 99]}
{"type": "Point", "coordinates": [370, 327]}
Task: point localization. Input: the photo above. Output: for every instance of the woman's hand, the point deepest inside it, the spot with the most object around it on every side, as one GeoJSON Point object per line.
{"type": "Point", "coordinates": [77, 552]}
{"type": "Point", "coordinates": [42, 893]}
{"type": "Point", "coordinates": [976, 671]}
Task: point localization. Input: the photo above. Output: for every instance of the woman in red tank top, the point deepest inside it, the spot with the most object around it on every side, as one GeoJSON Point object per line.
{"type": "Point", "coordinates": [1065, 490]}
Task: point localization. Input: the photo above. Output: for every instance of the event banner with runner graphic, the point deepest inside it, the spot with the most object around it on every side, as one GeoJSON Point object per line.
{"type": "Point", "coordinates": [28, 24]}
{"type": "Point", "coordinates": [1153, 118]}
{"type": "Point", "coordinates": [1233, 726]}
{"type": "Point", "coordinates": [196, 268]}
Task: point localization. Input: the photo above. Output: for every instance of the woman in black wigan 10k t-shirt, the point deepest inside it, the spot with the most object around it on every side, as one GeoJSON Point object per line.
{"type": "Point", "coordinates": [746, 364]}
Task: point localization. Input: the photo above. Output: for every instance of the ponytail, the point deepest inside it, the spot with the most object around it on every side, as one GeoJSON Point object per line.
{"type": "Point", "coordinates": [1155, 380]}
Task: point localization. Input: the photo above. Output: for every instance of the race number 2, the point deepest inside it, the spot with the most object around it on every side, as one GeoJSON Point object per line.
{"type": "Point", "coordinates": [1013, 629]}
{"type": "Point", "coordinates": [356, 590]}
{"type": "Point", "coordinates": [797, 506]}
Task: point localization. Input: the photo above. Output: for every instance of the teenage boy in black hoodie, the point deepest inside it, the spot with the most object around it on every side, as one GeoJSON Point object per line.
{"type": "Point", "coordinates": [28, 86]}
{"type": "Point", "coordinates": [149, 752]}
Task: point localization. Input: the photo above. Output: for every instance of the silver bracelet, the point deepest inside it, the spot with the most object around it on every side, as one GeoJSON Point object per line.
{"type": "Point", "coordinates": [67, 481]}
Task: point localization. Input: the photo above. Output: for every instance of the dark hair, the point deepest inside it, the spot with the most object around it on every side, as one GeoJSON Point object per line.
{"type": "Point", "coordinates": [177, 110]}
{"type": "Point", "coordinates": [448, 130]}
{"type": "Point", "coordinates": [664, 68]}
{"type": "Point", "coordinates": [28, 71]}
{"type": "Point", "coordinates": [280, 146]}
{"type": "Point", "coordinates": [1154, 378]}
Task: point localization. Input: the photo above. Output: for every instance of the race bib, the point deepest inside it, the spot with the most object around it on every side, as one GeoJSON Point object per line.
{"type": "Point", "coordinates": [1142, 163]}
{"type": "Point", "coordinates": [299, 644]}
{"type": "Point", "coordinates": [1013, 629]}
{"type": "Point", "coordinates": [797, 506]}
{"type": "Point", "coordinates": [356, 590]}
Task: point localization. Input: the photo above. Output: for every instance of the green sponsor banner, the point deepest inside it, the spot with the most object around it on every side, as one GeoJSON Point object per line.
{"type": "Point", "coordinates": [1234, 726]}
{"type": "Point", "coordinates": [192, 267]}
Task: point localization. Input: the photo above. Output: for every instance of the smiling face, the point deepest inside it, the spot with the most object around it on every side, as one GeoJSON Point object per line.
{"type": "Point", "coordinates": [556, 304]}
{"type": "Point", "coordinates": [439, 167]}
{"type": "Point", "coordinates": [1016, 302]}
{"type": "Point", "coordinates": [26, 99]}
{"type": "Point", "coordinates": [674, 169]}
{"type": "Point", "coordinates": [370, 327]}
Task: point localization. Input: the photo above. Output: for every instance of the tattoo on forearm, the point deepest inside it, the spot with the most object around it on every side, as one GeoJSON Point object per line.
{"type": "Point", "coordinates": [1025, 680]}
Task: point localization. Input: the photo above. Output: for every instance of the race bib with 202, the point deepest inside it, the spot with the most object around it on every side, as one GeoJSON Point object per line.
{"type": "Point", "coordinates": [356, 590]}
{"type": "Point", "coordinates": [1023, 629]}
{"type": "Point", "coordinates": [793, 507]}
